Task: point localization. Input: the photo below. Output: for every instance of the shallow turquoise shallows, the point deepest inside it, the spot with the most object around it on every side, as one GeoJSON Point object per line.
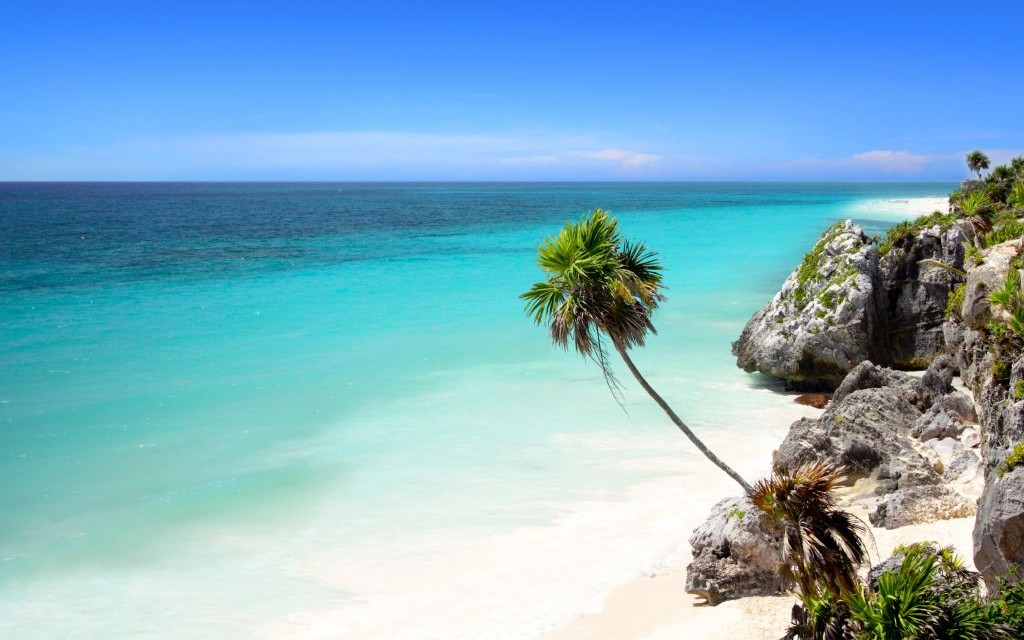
{"type": "Point", "coordinates": [319, 411]}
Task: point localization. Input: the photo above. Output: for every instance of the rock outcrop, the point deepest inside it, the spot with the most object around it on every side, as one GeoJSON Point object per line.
{"type": "Point", "coordinates": [999, 530]}
{"type": "Point", "coordinates": [847, 302]}
{"type": "Point", "coordinates": [869, 429]}
{"type": "Point", "coordinates": [824, 320]}
{"type": "Point", "coordinates": [732, 556]}
{"type": "Point", "coordinates": [915, 295]}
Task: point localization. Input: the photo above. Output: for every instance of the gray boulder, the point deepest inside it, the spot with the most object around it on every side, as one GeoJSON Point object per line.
{"type": "Point", "coordinates": [983, 279]}
{"type": "Point", "coordinates": [732, 556]}
{"type": "Point", "coordinates": [865, 428]}
{"type": "Point", "coordinates": [999, 529]}
{"type": "Point", "coordinates": [824, 320]}
{"type": "Point", "coordinates": [923, 503]}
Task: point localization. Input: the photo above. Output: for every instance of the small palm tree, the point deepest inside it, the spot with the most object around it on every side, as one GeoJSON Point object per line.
{"type": "Point", "coordinates": [977, 162]}
{"type": "Point", "coordinates": [821, 543]}
{"type": "Point", "coordinates": [598, 285]}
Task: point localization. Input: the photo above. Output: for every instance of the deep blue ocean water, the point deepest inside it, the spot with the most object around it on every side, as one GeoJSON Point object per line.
{"type": "Point", "coordinates": [296, 409]}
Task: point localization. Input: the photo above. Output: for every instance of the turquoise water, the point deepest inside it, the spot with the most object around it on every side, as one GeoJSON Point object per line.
{"type": "Point", "coordinates": [317, 410]}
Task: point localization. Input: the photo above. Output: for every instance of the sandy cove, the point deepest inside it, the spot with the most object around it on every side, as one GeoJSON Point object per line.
{"type": "Point", "coordinates": [658, 607]}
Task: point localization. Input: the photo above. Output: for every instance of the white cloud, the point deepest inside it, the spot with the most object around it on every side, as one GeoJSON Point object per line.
{"type": "Point", "coordinates": [627, 159]}
{"type": "Point", "coordinates": [894, 161]}
{"type": "Point", "coordinates": [339, 155]}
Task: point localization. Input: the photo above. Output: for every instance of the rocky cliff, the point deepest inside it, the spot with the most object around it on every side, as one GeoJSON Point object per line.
{"type": "Point", "coordinates": [852, 299]}
{"type": "Point", "coordinates": [929, 295]}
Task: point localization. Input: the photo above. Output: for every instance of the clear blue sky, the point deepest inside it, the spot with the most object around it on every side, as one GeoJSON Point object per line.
{"type": "Point", "coordinates": [434, 90]}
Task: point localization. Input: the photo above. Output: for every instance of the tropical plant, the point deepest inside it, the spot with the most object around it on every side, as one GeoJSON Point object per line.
{"type": "Point", "coordinates": [1017, 195]}
{"type": "Point", "coordinates": [1010, 297]}
{"type": "Point", "coordinates": [1007, 607]}
{"type": "Point", "coordinates": [976, 208]}
{"type": "Point", "coordinates": [819, 617]}
{"type": "Point", "coordinates": [977, 162]}
{"type": "Point", "coordinates": [597, 285]}
{"type": "Point", "coordinates": [1017, 166]}
{"type": "Point", "coordinates": [930, 597]}
{"type": "Point", "coordinates": [821, 544]}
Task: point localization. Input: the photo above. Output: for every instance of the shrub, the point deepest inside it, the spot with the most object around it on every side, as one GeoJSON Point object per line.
{"type": "Point", "coordinates": [899, 234]}
{"type": "Point", "coordinates": [1013, 460]}
{"type": "Point", "coordinates": [1010, 230]}
{"type": "Point", "coordinates": [1007, 609]}
{"type": "Point", "coordinates": [955, 300]}
{"type": "Point", "coordinates": [1001, 370]}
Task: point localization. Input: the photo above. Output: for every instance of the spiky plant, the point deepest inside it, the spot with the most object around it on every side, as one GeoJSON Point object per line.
{"type": "Point", "coordinates": [821, 543]}
{"type": "Point", "coordinates": [932, 596]}
{"type": "Point", "coordinates": [599, 285]}
{"type": "Point", "coordinates": [976, 208]}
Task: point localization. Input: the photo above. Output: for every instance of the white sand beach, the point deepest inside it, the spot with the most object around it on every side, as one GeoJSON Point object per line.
{"type": "Point", "coordinates": [897, 208]}
{"type": "Point", "coordinates": [657, 607]}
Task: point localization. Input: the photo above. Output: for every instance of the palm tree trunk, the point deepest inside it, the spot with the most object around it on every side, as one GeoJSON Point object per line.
{"type": "Point", "coordinates": [679, 423]}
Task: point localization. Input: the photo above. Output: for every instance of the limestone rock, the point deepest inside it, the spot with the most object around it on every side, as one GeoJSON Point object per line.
{"type": "Point", "coordinates": [732, 556]}
{"type": "Point", "coordinates": [915, 295]}
{"type": "Point", "coordinates": [985, 278]}
{"type": "Point", "coordinates": [999, 530]}
{"type": "Point", "coordinates": [824, 319]}
{"type": "Point", "coordinates": [865, 428]}
{"type": "Point", "coordinates": [917, 504]}
{"type": "Point", "coordinates": [965, 472]}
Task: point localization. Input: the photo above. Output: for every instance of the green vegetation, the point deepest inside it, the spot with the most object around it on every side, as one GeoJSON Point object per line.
{"type": "Point", "coordinates": [991, 206]}
{"type": "Point", "coordinates": [807, 272]}
{"type": "Point", "coordinates": [1011, 229]}
{"type": "Point", "coordinates": [901, 234]}
{"type": "Point", "coordinates": [1009, 333]}
{"type": "Point", "coordinates": [1001, 370]}
{"type": "Point", "coordinates": [1007, 609]}
{"type": "Point", "coordinates": [598, 285]}
{"type": "Point", "coordinates": [931, 595]}
{"type": "Point", "coordinates": [977, 162]}
{"type": "Point", "coordinates": [955, 301]}
{"type": "Point", "coordinates": [1018, 390]}
{"type": "Point", "coordinates": [1013, 459]}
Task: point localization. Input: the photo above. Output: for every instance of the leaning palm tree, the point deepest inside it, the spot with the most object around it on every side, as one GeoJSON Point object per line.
{"type": "Point", "coordinates": [598, 285]}
{"type": "Point", "coordinates": [821, 543]}
{"type": "Point", "coordinates": [977, 162]}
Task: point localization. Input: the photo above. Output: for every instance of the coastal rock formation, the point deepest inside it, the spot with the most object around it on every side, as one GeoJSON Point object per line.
{"type": "Point", "coordinates": [999, 531]}
{"type": "Point", "coordinates": [984, 278]}
{"type": "Point", "coordinates": [732, 556]}
{"type": "Point", "coordinates": [850, 301]}
{"type": "Point", "coordinates": [915, 294]}
{"type": "Point", "coordinates": [824, 319]}
{"type": "Point", "coordinates": [869, 429]}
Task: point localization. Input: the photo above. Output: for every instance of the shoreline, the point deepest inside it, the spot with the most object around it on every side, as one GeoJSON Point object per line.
{"type": "Point", "coordinates": [655, 606]}
{"type": "Point", "coordinates": [897, 209]}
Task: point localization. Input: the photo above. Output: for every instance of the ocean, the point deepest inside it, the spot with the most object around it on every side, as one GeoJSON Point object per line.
{"type": "Point", "coordinates": [318, 410]}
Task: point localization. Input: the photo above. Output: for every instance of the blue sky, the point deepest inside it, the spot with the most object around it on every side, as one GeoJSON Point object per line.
{"type": "Point", "coordinates": [519, 91]}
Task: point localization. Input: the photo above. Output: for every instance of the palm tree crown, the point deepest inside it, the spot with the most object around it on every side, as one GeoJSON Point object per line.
{"type": "Point", "coordinates": [599, 284]}
{"type": "Point", "coordinates": [977, 162]}
{"type": "Point", "coordinates": [821, 544]}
